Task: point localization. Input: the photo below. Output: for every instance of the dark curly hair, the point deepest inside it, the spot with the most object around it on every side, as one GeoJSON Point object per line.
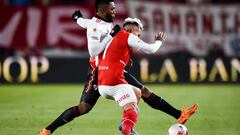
{"type": "Point", "coordinates": [99, 2]}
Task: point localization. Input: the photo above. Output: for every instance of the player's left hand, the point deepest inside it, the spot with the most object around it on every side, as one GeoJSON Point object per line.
{"type": "Point", "coordinates": [161, 36]}
{"type": "Point", "coordinates": [77, 14]}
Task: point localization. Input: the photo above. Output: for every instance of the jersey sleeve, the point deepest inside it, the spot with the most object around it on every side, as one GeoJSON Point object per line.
{"type": "Point", "coordinates": [97, 40]}
{"type": "Point", "coordinates": [139, 45]}
{"type": "Point", "coordinates": [82, 22]}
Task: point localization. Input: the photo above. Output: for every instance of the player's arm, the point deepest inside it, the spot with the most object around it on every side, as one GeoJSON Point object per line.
{"type": "Point", "coordinates": [83, 22]}
{"type": "Point", "coordinates": [139, 45]}
{"type": "Point", "coordinates": [97, 41]}
{"type": "Point", "coordinates": [78, 18]}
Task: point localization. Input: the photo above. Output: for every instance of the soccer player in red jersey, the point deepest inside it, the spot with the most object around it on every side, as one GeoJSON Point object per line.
{"type": "Point", "coordinates": [112, 62]}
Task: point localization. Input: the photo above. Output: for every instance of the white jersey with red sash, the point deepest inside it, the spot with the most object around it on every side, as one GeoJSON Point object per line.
{"type": "Point", "coordinates": [97, 36]}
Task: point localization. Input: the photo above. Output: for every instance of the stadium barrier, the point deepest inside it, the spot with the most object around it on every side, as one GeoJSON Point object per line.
{"type": "Point", "coordinates": [177, 68]}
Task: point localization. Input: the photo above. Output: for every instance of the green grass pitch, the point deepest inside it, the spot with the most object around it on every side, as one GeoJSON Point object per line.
{"type": "Point", "coordinates": [25, 109]}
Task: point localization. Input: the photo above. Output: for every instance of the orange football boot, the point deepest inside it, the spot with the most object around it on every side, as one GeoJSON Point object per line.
{"type": "Point", "coordinates": [45, 132]}
{"type": "Point", "coordinates": [187, 113]}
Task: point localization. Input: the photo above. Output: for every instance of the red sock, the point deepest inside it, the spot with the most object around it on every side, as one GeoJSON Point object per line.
{"type": "Point", "coordinates": [129, 119]}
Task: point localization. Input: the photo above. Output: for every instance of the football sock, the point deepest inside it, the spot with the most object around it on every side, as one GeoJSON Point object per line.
{"type": "Point", "coordinates": [158, 103]}
{"type": "Point", "coordinates": [129, 119]}
{"type": "Point", "coordinates": [67, 116]}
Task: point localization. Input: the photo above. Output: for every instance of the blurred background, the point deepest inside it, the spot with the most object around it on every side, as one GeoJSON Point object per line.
{"type": "Point", "coordinates": [39, 43]}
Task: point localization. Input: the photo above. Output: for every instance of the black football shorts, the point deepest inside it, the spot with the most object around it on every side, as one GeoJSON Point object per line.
{"type": "Point", "coordinates": [90, 93]}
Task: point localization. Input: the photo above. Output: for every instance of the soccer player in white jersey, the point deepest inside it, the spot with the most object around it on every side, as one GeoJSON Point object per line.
{"type": "Point", "coordinates": [98, 37]}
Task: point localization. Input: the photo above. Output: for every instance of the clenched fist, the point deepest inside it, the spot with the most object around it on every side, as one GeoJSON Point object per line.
{"type": "Point", "coordinates": [77, 14]}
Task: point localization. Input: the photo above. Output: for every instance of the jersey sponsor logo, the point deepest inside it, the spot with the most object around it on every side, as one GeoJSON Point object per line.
{"type": "Point", "coordinates": [102, 67]}
{"type": "Point", "coordinates": [94, 29]}
{"type": "Point", "coordinates": [123, 98]}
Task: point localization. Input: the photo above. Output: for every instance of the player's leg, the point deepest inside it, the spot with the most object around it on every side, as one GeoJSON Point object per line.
{"type": "Point", "coordinates": [152, 99]}
{"type": "Point", "coordinates": [130, 98]}
{"type": "Point", "coordinates": [138, 93]}
{"type": "Point", "coordinates": [129, 118]}
{"type": "Point", "coordinates": [126, 96]}
{"type": "Point", "coordinates": [89, 98]}
{"type": "Point", "coordinates": [68, 115]}
{"type": "Point", "coordinates": [159, 103]}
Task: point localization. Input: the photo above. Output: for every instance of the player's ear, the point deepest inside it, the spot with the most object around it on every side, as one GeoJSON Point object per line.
{"type": "Point", "coordinates": [103, 9]}
{"type": "Point", "coordinates": [128, 29]}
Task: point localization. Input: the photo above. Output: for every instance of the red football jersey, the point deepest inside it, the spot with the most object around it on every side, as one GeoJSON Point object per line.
{"type": "Point", "coordinates": [113, 60]}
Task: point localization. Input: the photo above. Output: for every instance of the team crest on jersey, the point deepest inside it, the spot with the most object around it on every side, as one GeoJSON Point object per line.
{"type": "Point", "coordinates": [94, 29]}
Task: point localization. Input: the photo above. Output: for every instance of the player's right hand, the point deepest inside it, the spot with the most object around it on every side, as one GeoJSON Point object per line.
{"type": "Point", "coordinates": [161, 36]}
{"type": "Point", "coordinates": [77, 14]}
{"type": "Point", "coordinates": [115, 30]}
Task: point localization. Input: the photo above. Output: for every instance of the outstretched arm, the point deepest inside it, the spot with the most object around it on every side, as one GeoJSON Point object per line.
{"type": "Point", "coordinates": [83, 22]}
{"type": "Point", "coordinates": [97, 41]}
{"type": "Point", "coordinates": [136, 43]}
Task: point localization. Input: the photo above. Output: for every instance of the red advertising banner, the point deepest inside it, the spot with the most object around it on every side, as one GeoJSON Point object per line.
{"type": "Point", "coordinates": [22, 27]}
{"type": "Point", "coordinates": [193, 28]}
{"type": "Point", "coordinates": [197, 29]}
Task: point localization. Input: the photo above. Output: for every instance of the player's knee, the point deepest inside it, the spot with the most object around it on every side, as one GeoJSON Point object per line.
{"type": "Point", "coordinates": [84, 108]}
{"type": "Point", "coordinates": [146, 92]}
{"type": "Point", "coordinates": [137, 92]}
{"type": "Point", "coordinates": [132, 105]}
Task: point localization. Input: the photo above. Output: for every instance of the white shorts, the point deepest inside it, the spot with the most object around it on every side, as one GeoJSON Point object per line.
{"type": "Point", "coordinates": [122, 93]}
